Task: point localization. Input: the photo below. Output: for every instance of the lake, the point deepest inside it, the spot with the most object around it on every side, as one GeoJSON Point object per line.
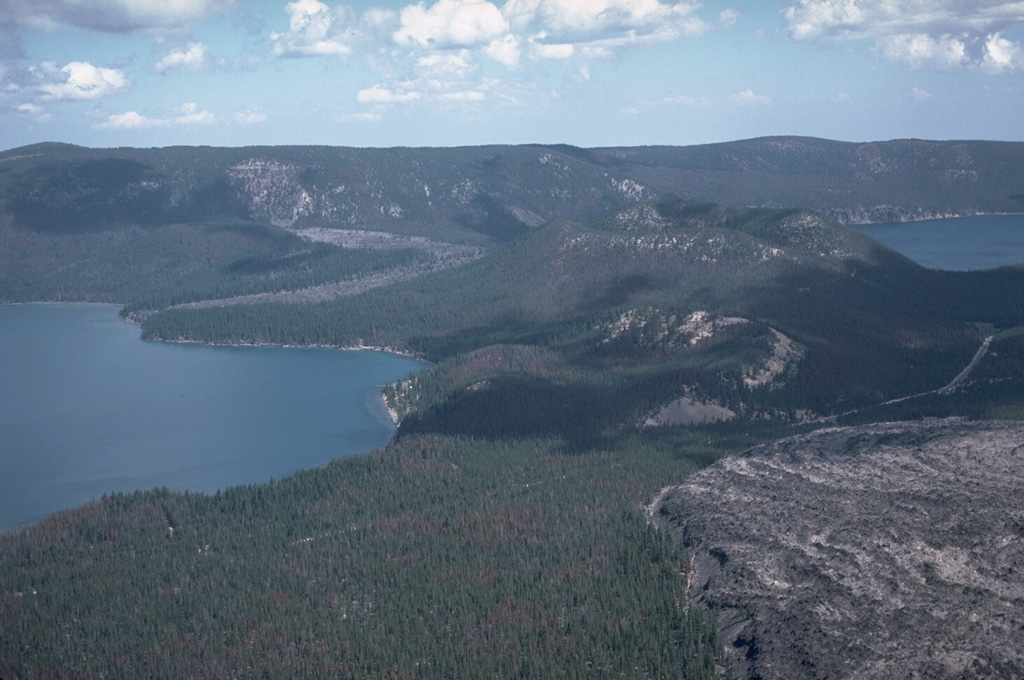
{"type": "Point", "coordinates": [87, 408]}
{"type": "Point", "coordinates": [963, 243]}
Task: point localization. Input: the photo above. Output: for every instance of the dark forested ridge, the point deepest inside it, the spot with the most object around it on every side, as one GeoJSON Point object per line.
{"type": "Point", "coordinates": [603, 322]}
{"type": "Point", "coordinates": [497, 192]}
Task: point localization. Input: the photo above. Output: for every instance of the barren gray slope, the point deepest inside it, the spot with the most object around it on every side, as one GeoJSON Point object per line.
{"type": "Point", "coordinates": [881, 551]}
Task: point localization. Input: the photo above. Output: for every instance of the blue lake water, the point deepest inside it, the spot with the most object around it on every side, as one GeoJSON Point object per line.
{"type": "Point", "coordinates": [964, 243]}
{"type": "Point", "coordinates": [87, 408]}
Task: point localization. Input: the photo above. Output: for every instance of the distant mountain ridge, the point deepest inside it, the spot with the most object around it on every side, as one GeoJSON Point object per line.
{"type": "Point", "coordinates": [488, 194]}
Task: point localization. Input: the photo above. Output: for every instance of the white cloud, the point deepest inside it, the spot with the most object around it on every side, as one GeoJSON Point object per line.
{"type": "Point", "coordinates": [590, 16]}
{"type": "Point", "coordinates": [556, 29]}
{"type": "Point", "coordinates": [37, 112]}
{"type": "Point", "coordinates": [448, 93]}
{"type": "Point", "coordinates": [380, 95]}
{"type": "Point", "coordinates": [186, 114]}
{"type": "Point", "coordinates": [748, 97]}
{"type": "Point", "coordinates": [127, 121]}
{"type": "Point", "coordinates": [920, 50]}
{"type": "Point", "coordinates": [362, 117]}
{"type": "Point", "coordinates": [813, 19]}
{"type": "Point", "coordinates": [445, 65]}
{"type": "Point", "coordinates": [78, 80]}
{"type": "Point", "coordinates": [443, 43]}
{"type": "Point", "coordinates": [189, 114]}
{"type": "Point", "coordinates": [543, 50]}
{"type": "Point", "coordinates": [111, 16]}
{"type": "Point", "coordinates": [544, 29]}
{"type": "Point", "coordinates": [687, 102]}
{"type": "Point", "coordinates": [728, 17]}
{"type": "Point", "coordinates": [504, 50]}
{"type": "Point", "coordinates": [463, 96]}
{"type": "Point", "coordinates": [921, 94]}
{"type": "Point", "coordinates": [938, 34]}
{"type": "Point", "coordinates": [250, 117]}
{"type": "Point", "coordinates": [1001, 55]}
{"type": "Point", "coordinates": [240, 63]}
{"type": "Point", "coordinates": [192, 57]}
{"type": "Point", "coordinates": [460, 23]}
{"type": "Point", "coordinates": [314, 30]}
{"type": "Point", "coordinates": [379, 17]}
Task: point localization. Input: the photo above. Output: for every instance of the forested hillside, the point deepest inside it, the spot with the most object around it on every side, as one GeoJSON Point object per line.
{"type": "Point", "coordinates": [438, 558]}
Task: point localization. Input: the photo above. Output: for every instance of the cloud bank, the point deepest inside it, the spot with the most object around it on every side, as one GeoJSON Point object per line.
{"type": "Point", "coordinates": [109, 16]}
{"type": "Point", "coordinates": [314, 30]}
{"type": "Point", "coordinates": [186, 114]}
{"type": "Point", "coordinates": [946, 35]}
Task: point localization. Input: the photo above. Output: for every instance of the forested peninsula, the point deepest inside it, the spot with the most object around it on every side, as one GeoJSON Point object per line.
{"type": "Point", "coordinates": [602, 324]}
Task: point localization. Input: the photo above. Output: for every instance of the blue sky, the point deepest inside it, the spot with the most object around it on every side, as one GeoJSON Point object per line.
{"type": "Point", "coordinates": [460, 72]}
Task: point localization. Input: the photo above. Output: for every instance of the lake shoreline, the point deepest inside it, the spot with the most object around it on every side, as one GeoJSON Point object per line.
{"type": "Point", "coordinates": [912, 219]}
{"type": "Point", "coordinates": [340, 348]}
{"type": "Point", "coordinates": [135, 322]}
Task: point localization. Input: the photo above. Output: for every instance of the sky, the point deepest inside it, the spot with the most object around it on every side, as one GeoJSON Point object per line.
{"type": "Point", "coordinates": [372, 73]}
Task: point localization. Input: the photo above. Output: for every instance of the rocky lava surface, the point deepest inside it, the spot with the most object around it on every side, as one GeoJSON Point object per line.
{"type": "Point", "coordinates": [878, 551]}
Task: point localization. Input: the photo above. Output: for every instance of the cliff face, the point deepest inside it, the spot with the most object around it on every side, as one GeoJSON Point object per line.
{"type": "Point", "coordinates": [881, 551]}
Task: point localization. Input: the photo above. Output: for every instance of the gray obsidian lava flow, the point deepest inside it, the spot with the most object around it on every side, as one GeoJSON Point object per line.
{"type": "Point", "coordinates": [881, 551]}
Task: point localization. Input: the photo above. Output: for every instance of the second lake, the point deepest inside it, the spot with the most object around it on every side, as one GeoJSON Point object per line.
{"type": "Point", "coordinates": [962, 243]}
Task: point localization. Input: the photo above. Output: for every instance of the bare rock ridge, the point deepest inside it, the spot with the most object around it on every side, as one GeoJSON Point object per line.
{"type": "Point", "coordinates": [879, 551]}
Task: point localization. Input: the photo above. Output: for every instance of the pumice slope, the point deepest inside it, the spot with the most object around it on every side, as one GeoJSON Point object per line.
{"type": "Point", "coordinates": [881, 551]}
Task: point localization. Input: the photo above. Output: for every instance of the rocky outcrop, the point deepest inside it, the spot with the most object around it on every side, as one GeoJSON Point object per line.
{"type": "Point", "coordinates": [881, 551]}
{"type": "Point", "coordinates": [688, 411]}
{"type": "Point", "coordinates": [785, 354]}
